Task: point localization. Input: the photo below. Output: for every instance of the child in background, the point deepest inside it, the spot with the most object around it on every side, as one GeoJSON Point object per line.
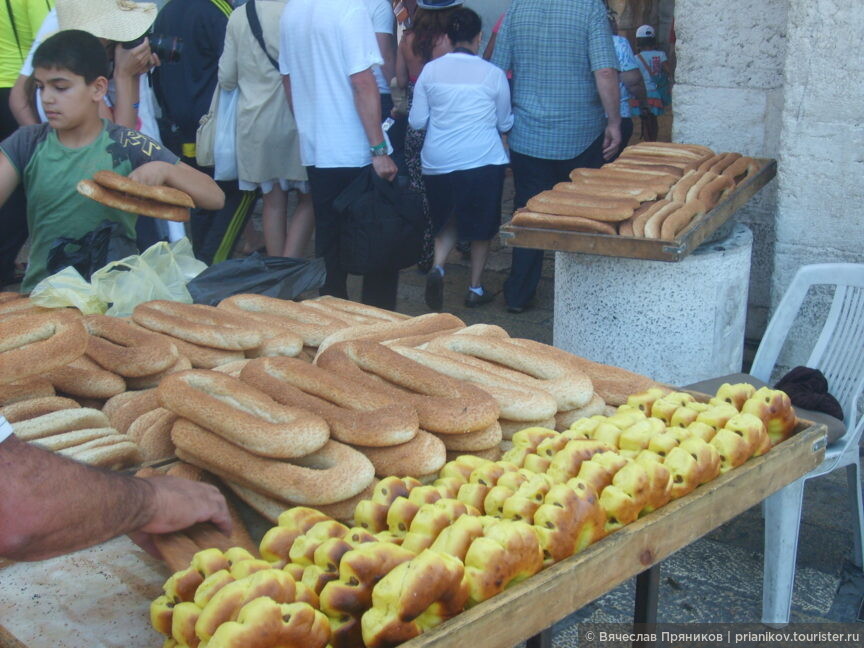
{"type": "Point", "coordinates": [463, 102]}
{"type": "Point", "coordinates": [71, 74]}
{"type": "Point", "coordinates": [655, 74]}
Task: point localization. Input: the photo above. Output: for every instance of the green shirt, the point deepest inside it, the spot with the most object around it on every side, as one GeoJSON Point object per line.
{"type": "Point", "coordinates": [50, 172]}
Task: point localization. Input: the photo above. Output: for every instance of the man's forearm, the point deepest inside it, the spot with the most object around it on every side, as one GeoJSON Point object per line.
{"type": "Point", "coordinates": [50, 505]}
{"type": "Point", "coordinates": [607, 87]}
{"type": "Point", "coordinates": [367, 100]}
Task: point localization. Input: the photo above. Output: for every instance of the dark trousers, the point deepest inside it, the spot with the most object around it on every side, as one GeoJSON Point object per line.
{"type": "Point", "coordinates": [531, 176]}
{"type": "Point", "coordinates": [379, 288]}
{"type": "Point", "coordinates": [13, 213]}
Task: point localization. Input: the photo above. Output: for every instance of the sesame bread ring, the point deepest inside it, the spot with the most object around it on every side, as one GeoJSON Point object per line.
{"type": "Point", "coordinates": [153, 380]}
{"type": "Point", "coordinates": [63, 440]}
{"type": "Point", "coordinates": [310, 324]}
{"type": "Point", "coordinates": [421, 325]}
{"type": "Point", "coordinates": [544, 369]}
{"type": "Point", "coordinates": [444, 405]}
{"type": "Point", "coordinates": [33, 407]}
{"type": "Point", "coordinates": [83, 377]}
{"type": "Point", "coordinates": [356, 414]}
{"type": "Point", "coordinates": [423, 454]}
{"type": "Point", "coordinates": [123, 409]}
{"type": "Point", "coordinates": [168, 195]}
{"type": "Point", "coordinates": [22, 306]}
{"type": "Point", "coordinates": [242, 414]}
{"type": "Point", "coordinates": [515, 401]}
{"type": "Point", "coordinates": [205, 325]}
{"type": "Point", "coordinates": [364, 310]}
{"type": "Point", "coordinates": [126, 350]}
{"type": "Point", "coordinates": [23, 390]}
{"type": "Point", "coordinates": [60, 421]}
{"type": "Point", "coordinates": [33, 345]}
{"type": "Point", "coordinates": [201, 357]}
{"type": "Point", "coordinates": [481, 440]}
{"type": "Point", "coordinates": [334, 473]}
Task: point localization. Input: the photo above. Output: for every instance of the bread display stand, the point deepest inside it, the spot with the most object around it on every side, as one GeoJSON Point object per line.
{"type": "Point", "coordinates": [101, 595]}
{"type": "Point", "coordinates": [619, 300]}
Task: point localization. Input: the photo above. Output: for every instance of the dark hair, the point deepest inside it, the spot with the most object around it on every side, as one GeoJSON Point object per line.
{"type": "Point", "coordinates": [650, 41]}
{"type": "Point", "coordinates": [427, 28]}
{"type": "Point", "coordinates": [463, 25]}
{"type": "Point", "coordinates": [77, 51]}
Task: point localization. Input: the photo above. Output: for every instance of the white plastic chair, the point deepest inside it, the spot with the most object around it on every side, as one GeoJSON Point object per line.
{"type": "Point", "coordinates": [839, 354]}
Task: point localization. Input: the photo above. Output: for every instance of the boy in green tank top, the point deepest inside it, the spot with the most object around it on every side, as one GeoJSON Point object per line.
{"type": "Point", "coordinates": [71, 73]}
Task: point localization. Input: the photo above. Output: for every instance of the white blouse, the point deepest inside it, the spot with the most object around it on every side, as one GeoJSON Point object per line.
{"type": "Point", "coordinates": [463, 102]}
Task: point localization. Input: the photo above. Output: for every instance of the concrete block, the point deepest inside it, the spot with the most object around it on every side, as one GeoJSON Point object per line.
{"type": "Point", "coordinates": [724, 119]}
{"type": "Point", "coordinates": [676, 322]}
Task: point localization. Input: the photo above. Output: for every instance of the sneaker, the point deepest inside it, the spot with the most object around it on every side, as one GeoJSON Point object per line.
{"type": "Point", "coordinates": [472, 299]}
{"type": "Point", "coordinates": [434, 289]}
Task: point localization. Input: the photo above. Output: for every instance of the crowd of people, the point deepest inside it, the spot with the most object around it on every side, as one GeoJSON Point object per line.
{"type": "Point", "coordinates": [90, 85]}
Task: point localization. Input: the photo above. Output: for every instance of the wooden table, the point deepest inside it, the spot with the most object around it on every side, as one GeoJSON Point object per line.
{"type": "Point", "coordinates": [519, 613]}
{"type": "Point", "coordinates": [526, 609]}
{"type": "Point", "coordinates": [640, 248]}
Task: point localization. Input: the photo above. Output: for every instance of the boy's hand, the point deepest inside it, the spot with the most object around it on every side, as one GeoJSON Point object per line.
{"type": "Point", "coordinates": [152, 173]}
{"type": "Point", "coordinates": [134, 62]}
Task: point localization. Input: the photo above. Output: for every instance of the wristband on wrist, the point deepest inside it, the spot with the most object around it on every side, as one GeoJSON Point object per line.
{"type": "Point", "coordinates": [378, 147]}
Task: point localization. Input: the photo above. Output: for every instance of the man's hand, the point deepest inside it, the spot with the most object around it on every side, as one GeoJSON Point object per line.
{"type": "Point", "coordinates": [152, 173]}
{"type": "Point", "coordinates": [611, 140]}
{"type": "Point", "coordinates": [385, 167]}
{"type": "Point", "coordinates": [135, 61]}
{"type": "Point", "coordinates": [178, 504]}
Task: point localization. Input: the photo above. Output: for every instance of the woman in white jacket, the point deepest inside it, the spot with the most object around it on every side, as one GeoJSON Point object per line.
{"type": "Point", "coordinates": [463, 102]}
{"type": "Point", "coordinates": [268, 147]}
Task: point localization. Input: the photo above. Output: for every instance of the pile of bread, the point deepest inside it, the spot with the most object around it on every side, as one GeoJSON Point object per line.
{"type": "Point", "coordinates": [653, 190]}
{"type": "Point", "coordinates": [274, 396]}
{"type": "Point", "coordinates": [417, 555]}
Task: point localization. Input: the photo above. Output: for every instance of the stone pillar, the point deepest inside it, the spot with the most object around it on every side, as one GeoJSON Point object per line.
{"type": "Point", "coordinates": [728, 95]}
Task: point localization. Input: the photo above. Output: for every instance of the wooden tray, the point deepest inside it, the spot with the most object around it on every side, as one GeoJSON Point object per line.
{"type": "Point", "coordinates": [640, 248]}
{"type": "Point", "coordinates": [537, 603]}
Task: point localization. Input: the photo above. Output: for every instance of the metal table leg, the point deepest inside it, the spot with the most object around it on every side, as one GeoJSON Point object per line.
{"type": "Point", "coordinates": [645, 609]}
{"type": "Point", "coordinates": [540, 640]}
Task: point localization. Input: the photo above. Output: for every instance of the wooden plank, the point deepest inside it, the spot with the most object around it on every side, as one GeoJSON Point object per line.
{"type": "Point", "coordinates": [640, 248]}
{"type": "Point", "coordinates": [7, 640]}
{"type": "Point", "coordinates": [538, 602]}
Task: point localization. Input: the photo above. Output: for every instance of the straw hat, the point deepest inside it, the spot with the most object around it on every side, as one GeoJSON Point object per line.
{"type": "Point", "coordinates": [116, 20]}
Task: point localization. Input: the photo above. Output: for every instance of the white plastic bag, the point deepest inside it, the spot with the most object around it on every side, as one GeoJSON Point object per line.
{"type": "Point", "coordinates": [67, 288]}
{"type": "Point", "coordinates": [225, 143]}
{"type": "Point", "coordinates": [160, 272]}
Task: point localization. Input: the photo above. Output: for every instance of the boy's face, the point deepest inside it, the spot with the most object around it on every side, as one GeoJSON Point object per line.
{"type": "Point", "coordinates": [68, 101]}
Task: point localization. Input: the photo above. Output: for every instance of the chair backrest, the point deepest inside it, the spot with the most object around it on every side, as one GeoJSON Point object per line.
{"type": "Point", "coordinates": [839, 350]}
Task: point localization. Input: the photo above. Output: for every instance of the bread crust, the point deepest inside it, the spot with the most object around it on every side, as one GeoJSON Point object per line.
{"type": "Point", "coordinates": [565, 203]}
{"type": "Point", "coordinates": [356, 414]}
{"type": "Point", "coordinates": [526, 218]}
{"type": "Point", "coordinates": [119, 347]}
{"type": "Point", "coordinates": [332, 474]}
{"type": "Point", "coordinates": [33, 407]}
{"type": "Point", "coordinates": [33, 345]}
{"type": "Point", "coordinates": [424, 454]}
{"type": "Point", "coordinates": [132, 204]}
{"type": "Point", "coordinates": [679, 219]}
{"type": "Point", "coordinates": [158, 193]}
{"type": "Point", "coordinates": [203, 325]}
{"type": "Point", "coordinates": [242, 414]}
{"type": "Point", "coordinates": [83, 377]}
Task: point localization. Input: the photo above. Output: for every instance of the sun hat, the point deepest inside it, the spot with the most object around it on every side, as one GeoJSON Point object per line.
{"type": "Point", "coordinates": [438, 4]}
{"type": "Point", "coordinates": [116, 20]}
{"type": "Point", "coordinates": [645, 31]}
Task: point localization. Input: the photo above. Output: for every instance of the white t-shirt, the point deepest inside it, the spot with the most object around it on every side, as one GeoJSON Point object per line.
{"type": "Point", "coordinates": [5, 429]}
{"type": "Point", "coordinates": [383, 22]}
{"type": "Point", "coordinates": [146, 102]}
{"type": "Point", "coordinates": [626, 62]}
{"type": "Point", "coordinates": [463, 102]}
{"type": "Point", "coordinates": [324, 42]}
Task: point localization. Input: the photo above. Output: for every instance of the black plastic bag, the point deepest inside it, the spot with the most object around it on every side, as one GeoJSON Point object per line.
{"type": "Point", "coordinates": [382, 225]}
{"type": "Point", "coordinates": [105, 243]}
{"type": "Point", "coordinates": [281, 277]}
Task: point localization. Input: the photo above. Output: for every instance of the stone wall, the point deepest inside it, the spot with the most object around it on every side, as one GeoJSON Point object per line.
{"type": "Point", "coordinates": [728, 95]}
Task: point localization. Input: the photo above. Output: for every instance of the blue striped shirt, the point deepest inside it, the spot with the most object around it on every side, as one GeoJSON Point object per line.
{"type": "Point", "coordinates": [553, 48]}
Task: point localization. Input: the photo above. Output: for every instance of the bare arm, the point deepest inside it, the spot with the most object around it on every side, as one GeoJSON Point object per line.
{"type": "Point", "coordinates": [51, 505]}
{"type": "Point", "coordinates": [129, 65]}
{"type": "Point", "coordinates": [8, 179]}
{"type": "Point", "coordinates": [632, 80]}
{"type": "Point", "coordinates": [402, 64]}
{"type": "Point", "coordinates": [387, 45]}
{"type": "Point", "coordinates": [20, 102]}
{"type": "Point", "coordinates": [607, 86]}
{"type": "Point", "coordinates": [368, 104]}
{"type": "Point", "coordinates": [203, 190]}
